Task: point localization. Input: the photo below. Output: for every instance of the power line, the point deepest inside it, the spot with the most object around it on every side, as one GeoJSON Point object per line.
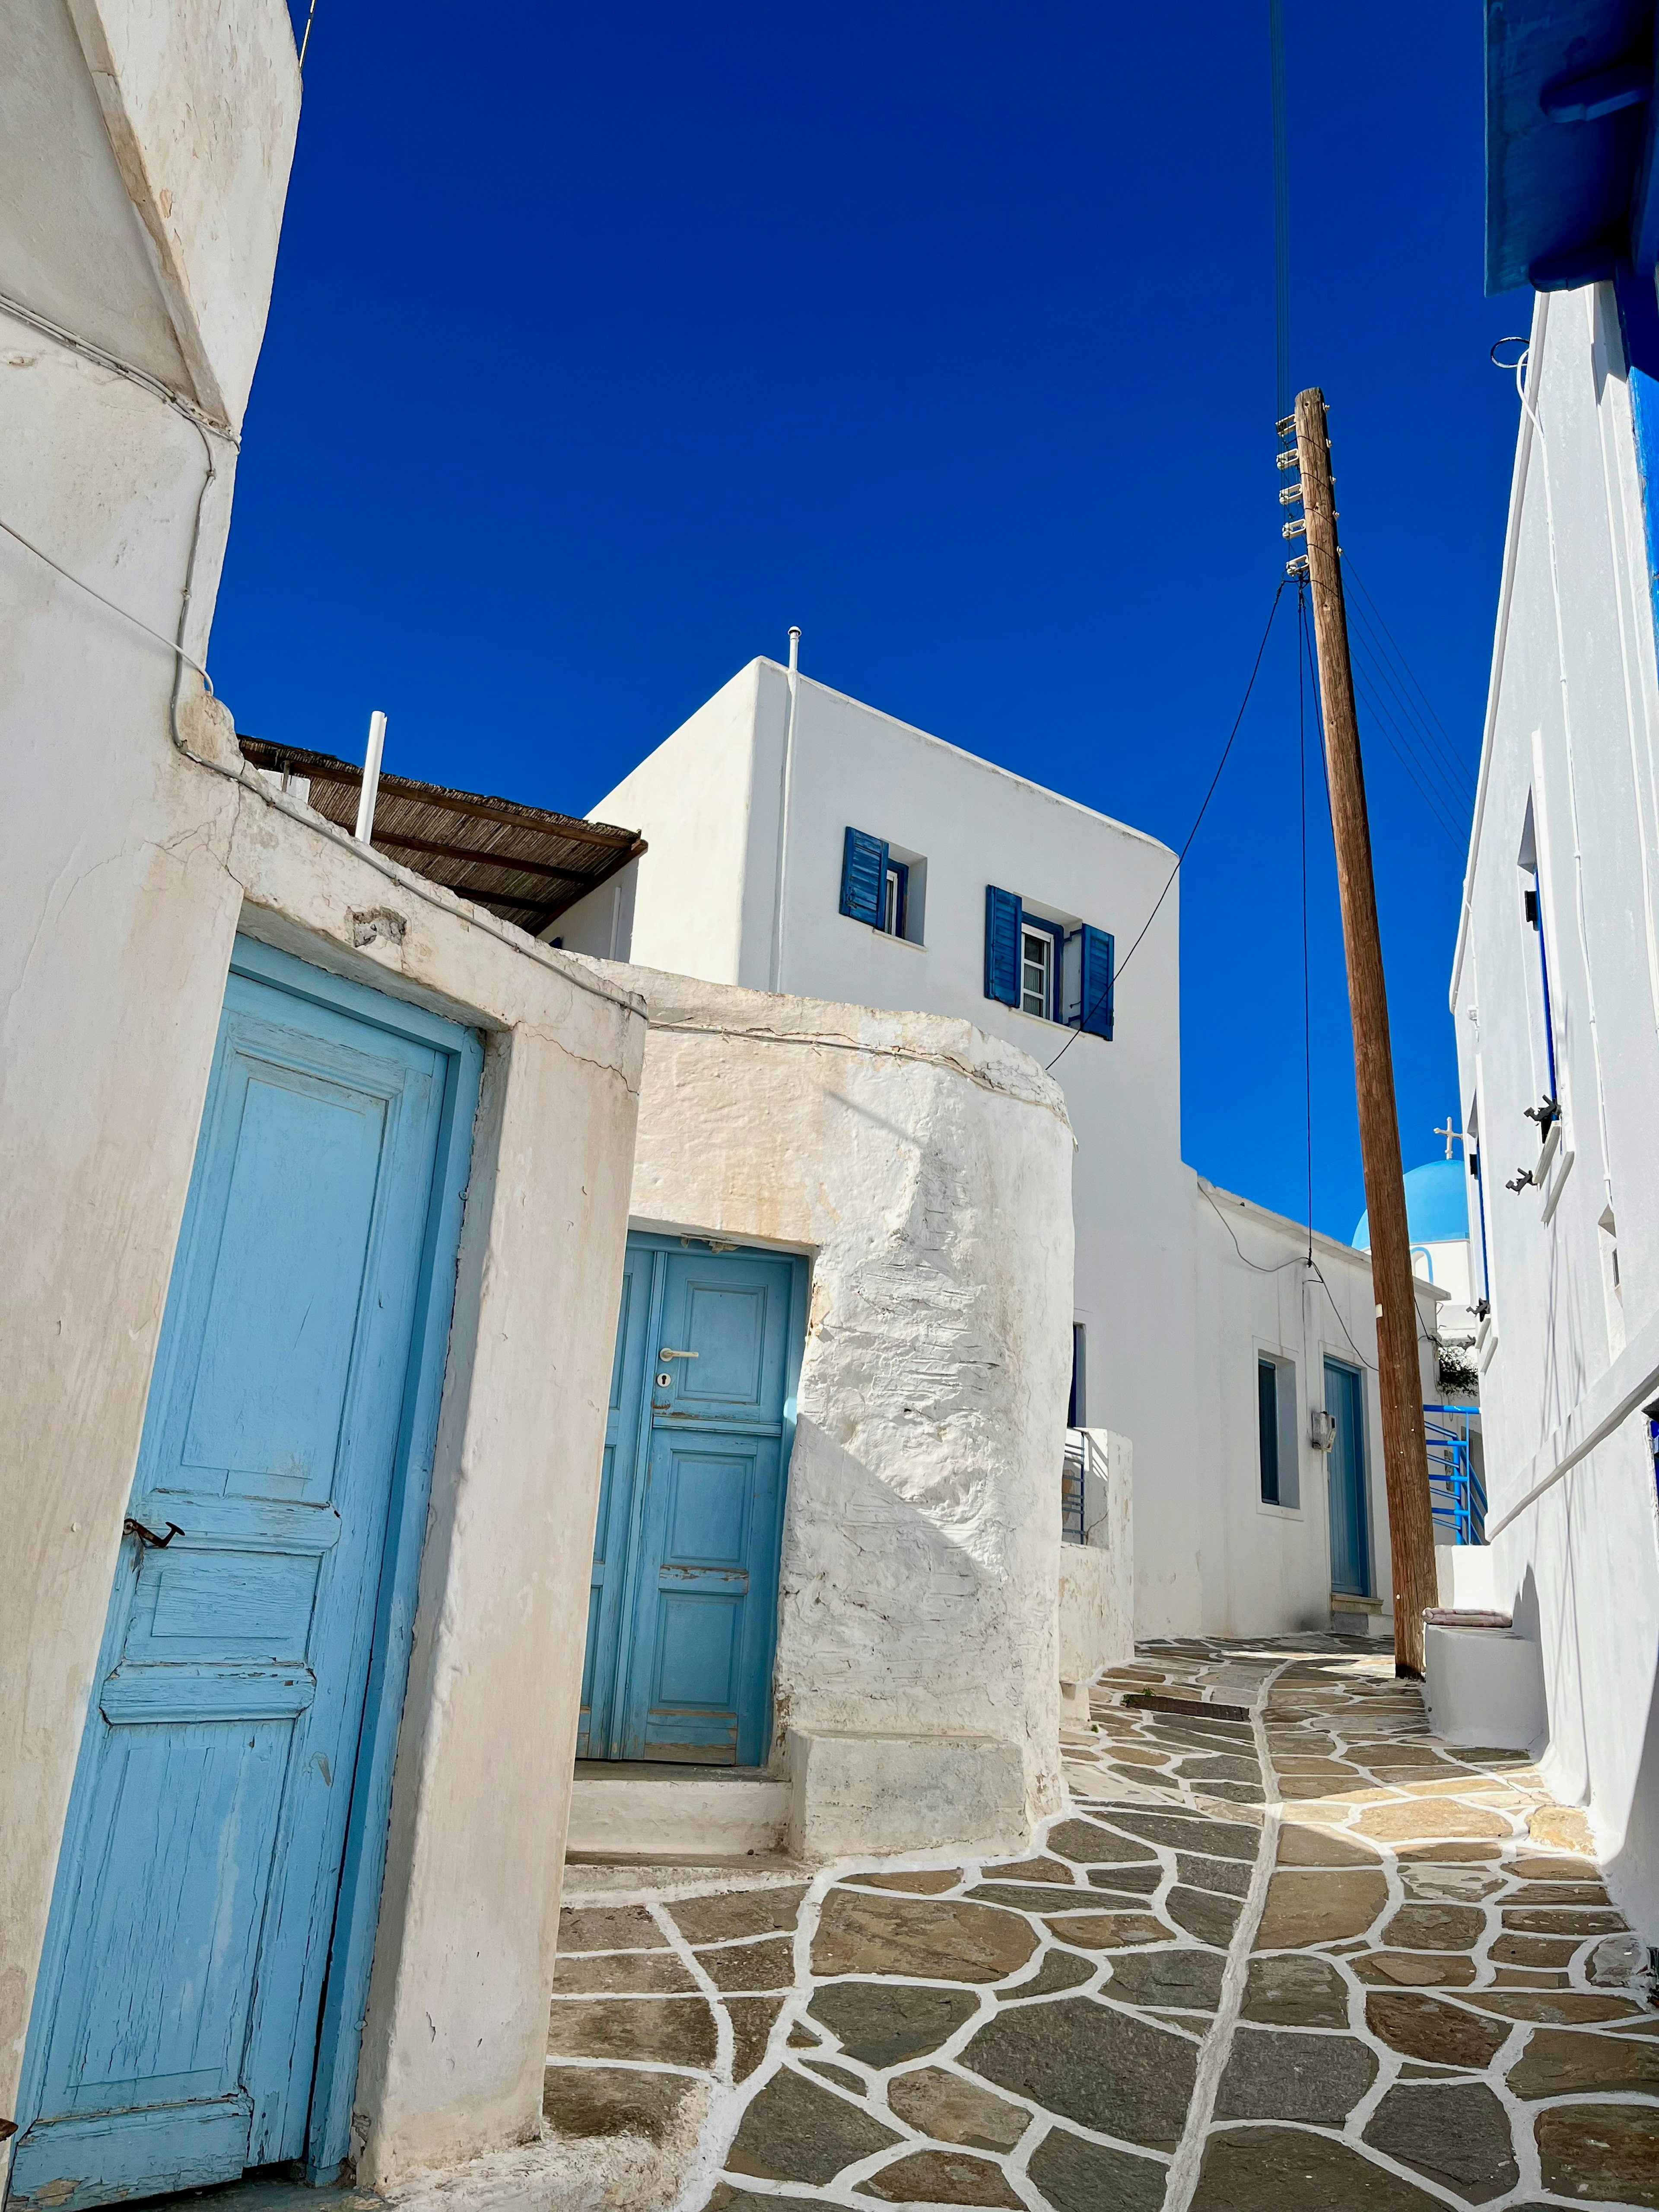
{"type": "Point", "coordinates": [1348, 569]}
{"type": "Point", "coordinates": [1119, 966]}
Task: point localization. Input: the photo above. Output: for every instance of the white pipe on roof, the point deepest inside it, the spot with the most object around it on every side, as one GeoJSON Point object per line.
{"type": "Point", "coordinates": [364, 832]}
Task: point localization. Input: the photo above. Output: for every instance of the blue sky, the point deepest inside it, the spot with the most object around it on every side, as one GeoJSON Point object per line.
{"type": "Point", "coordinates": [607, 344]}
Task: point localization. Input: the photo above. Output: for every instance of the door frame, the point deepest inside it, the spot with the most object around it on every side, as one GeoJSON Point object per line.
{"type": "Point", "coordinates": [1362, 1473]}
{"type": "Point", "coordinates": [351, 1947]}
{"type": "Point", "coordinates": [707, 1240]}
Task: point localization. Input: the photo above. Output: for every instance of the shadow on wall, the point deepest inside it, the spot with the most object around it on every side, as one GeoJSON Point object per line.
{"type": "Point", "coordinates": [1632, 1872]}
{"type": "Point", "coordinates": [885, 1601]}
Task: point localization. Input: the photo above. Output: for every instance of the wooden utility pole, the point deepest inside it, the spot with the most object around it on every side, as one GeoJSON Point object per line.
{"type": "Point", "coordinates": [1411, 1527]}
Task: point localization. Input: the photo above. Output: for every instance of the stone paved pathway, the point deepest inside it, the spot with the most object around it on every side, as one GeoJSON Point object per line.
{"type": "Point", "coordinates": [1284, 1952]}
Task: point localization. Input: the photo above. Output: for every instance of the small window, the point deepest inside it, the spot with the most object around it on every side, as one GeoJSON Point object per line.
{"type": "Point", "coordinates": [1036, 973]}
{"type": "Point", "coordinates": [883, 887]}
{"type": "Point", "coordinates": [894, 899]}
{"type": "Point", "coordinates": [1077, 1412]}
{"type": "Point", "coordinates": [1267, 1422]}
{"type": "Point", "coordinates": [1278, 1436]}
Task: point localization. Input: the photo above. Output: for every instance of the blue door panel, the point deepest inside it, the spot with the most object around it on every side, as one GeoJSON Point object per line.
{"type": "Point", "coordinates": [176, 2021]}
{"type": "Point", "coordinates": [680, 1648]}
{"type": "Point", "coordinates": [1345, 1397]}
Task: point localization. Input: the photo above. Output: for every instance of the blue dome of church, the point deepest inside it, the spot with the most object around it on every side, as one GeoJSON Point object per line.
{"type": "Point", "coordinates": [1437, 1206]}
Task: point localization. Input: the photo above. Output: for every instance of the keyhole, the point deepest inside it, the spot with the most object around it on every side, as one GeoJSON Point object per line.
{"type": "Point", "coordinates": [664, 1380]}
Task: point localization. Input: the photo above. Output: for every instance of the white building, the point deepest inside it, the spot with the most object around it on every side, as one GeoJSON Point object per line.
{"type": "Point", "coordinates": [910, 874]}
{"type": "Point", "coordinates": [1555, 979]}
{"type": "Point", "coordinates": [1555, 991]}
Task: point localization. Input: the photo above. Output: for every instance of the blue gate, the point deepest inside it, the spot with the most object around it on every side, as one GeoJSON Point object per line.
{"type": "Point", "coordinates": [683, 1611]}
{"type": "Point", "coordinates": [204, 1970]}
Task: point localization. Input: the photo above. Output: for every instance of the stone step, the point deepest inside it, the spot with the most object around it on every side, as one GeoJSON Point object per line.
{"type": "Point", "coordinates": [675, 1813]}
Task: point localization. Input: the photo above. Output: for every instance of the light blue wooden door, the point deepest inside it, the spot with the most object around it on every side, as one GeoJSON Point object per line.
{"type": "Point", "coordinates": [175, 2029]}
{"type": "Point", "coordinates": [683, 1629]}
{"type": "Point", "coordinates": [1345, 1397]}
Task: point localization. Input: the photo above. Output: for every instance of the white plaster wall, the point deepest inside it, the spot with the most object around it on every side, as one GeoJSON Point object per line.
{"type": "Point", "coordinates": [974, 825]}
{"type": "Point", "coordinates": [129, 866]}
{"type": "Point", "coordinates": [1267, 1568]}
{"type": "Point", "coordinates": [1572, 721]}
{"type": "Point", "coordinates": [1095, 1579]}
{"type": "Point", "coordinates": [925, 1167]}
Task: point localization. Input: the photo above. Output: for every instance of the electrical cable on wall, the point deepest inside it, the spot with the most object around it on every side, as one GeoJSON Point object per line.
{"type": "Point", "coordinates": [1119, 966]}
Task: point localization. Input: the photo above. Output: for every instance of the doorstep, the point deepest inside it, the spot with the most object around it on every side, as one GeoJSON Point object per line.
{"type": "Point", "coordinates": [638, 1809]}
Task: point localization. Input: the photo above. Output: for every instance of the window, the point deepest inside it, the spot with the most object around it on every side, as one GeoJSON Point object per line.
{"type": "Point", "coordinates": [1267, 1423]}
{"type": "Point", "coordinates": [1036, 973]}
{"type": "Point", "coordinates": [1547, 1111]}
{"type": "Point", "coordinates": [882, 886]}
{"type": "Point", "coordinates": [896, 888]}
{"type": "Point", "coordinates": [1077, 1412]}
{"type": "Point", "coordinates": [1277, 1432]}
{"type": "Point", "coordinates": [1050, 965]}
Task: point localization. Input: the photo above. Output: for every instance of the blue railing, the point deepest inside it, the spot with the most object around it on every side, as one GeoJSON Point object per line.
{"type": "Point", "coordinates": [1456, 1494]}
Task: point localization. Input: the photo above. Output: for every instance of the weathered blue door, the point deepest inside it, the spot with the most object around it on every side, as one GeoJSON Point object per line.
{"type": "Point", "coordinates": [175, 2029]}
{"type": "Point", "coordinates": [1345, 1396]}
{"type": "Point", "coordinates": [683, 1615]}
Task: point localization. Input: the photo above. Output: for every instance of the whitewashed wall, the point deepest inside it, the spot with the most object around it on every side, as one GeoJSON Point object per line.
{"type": "Point", "coordinates": [129, 865]}
{"type": "Point", "coordinates": [1571, 725]}
{"type": "Point", "coordinates": [708, 803]}
{"type": "Point", "coordinates": [925, 1167]}
{"type": "Point", "coordinates": [1267, 1568]}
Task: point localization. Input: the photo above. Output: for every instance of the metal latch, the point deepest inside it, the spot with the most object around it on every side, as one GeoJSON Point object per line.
{"type": "Point", "coordinates": [665, 1352]}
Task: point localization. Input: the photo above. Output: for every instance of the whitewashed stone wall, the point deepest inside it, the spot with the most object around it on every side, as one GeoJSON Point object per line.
{"type": "Point", "coordinates": [926, 1170]}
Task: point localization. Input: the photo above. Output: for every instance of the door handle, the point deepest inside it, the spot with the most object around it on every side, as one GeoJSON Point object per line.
{"type": "Point", "coordinates": [148, 1537]}
{"type": "Point", "coordinates": [665, 1352]}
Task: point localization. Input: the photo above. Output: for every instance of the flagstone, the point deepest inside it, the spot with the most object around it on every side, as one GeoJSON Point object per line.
{"type": "Point", "coordinates": [583, 2101]}
{"type": "Point", "coordinates": [1037, 1869]}
{"type": "Point", "coordinates": [941, 2177]}
{"type": "Point", "coordinates": [1290, 1991]}
{"type": "Point", "coordinates": [743, 1912]}
{"type": "Point", "coordinates": [1508, 1950]}
{"type": "Point", "coordinates": [1458, 2135]}
{"type": "Point", "coordinates": [1305, 1908]}
{"type": "Point", "coordinates": [1078, 2176]}
{"type": "Point", "coordinates": [1418, 1970]}
{"type": "Point", "coordinates": [1426, 2028]}
{"type": "Point", "coordinates": [917, 1881]}
{"type": "Point", "coordinates": [828, 2070]}
{"type": "Point", "coordinates": [1275, 2073]}
{"type": "Point", "coordinates": [1108, 1931]}
{"type": "Point", "coordinates": [1184, 1980]}
{"type": "Point", "coordinates": [1104, 2068]}
{"type": "Point", "coordinates": [883, 2023]}
{"type": "Point", "coordinates": [1557, 1893]}
{"type": "Point", "coordinates": [1210, 1919]}
{"type": "Point", "coordinates": [951, 2109]}
{"type": "Point", "coordinates": [1282, 2169]}
{"type": "Point", "coordinates": [1577, 1921]}
{"type": "Point", "coordinates": [1562, 1828]}
{"type": "Point", "coordinates": [751, 2026]}
{"type": "Point", "coordinates": [677, 2031]}
{"type": "Point", "coordinates": [1231, 1877]}
{"type": "Point", "coordinates": [1061, 1970]}
{"type": "Point", "coordinates": [1319, 1847]}
{"type": "Point", "coordinates": [1134, 1880]}
{"type": "Point", "coordinates": [1569, 2007]}
{"type": "Point", "coordinates": [950, 1941]}
{"type": "Point", "coordinates": [1560, 2061]}
{"type": "Point", "coordinates": [1412, 1817]}
{"type": "Point", "coordinates": [578, 1972]}
{"type": "Point", "coordinates": [1536, 1867]}
{"type": "Point", "coordinates": [1090, 1844]}
{"type": "Point", "coordinates": [1190, 1831]}
{"type": "Point", "coordinates": [1435, 1927]}
{"type": "Point", "coordinates": [769, 1965]}
{"type": "Point", "coordinates": [1608, 2151]}
{"type": "Point", "coordinates": [1031, 1897]}
{"type": "Point", "coordinates": [614, 1927]}
{"type": "Point", "coordinates": [797, 2130]}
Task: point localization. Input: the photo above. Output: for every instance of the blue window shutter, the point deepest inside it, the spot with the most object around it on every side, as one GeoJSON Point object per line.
{"type": "Point", "coordinates": [1099, 982]}
{"type": "Point", "coordinates": [863, 876]}
{"type": "Point", "coordinates": [1003, 916]}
